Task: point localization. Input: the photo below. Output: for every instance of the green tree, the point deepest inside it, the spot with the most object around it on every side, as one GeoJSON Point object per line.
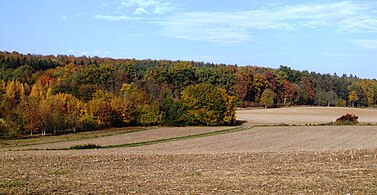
{"type": "Point", "coordinates": [149, 114]}
{"type": "Point", "coordinates": [267, 99]}
{"type": "Point", "coordinates": [174, 111]}
{"type": "Point", "coordinates": [207, 105]}
{"type": "Point", "coordinates": [182, 74]}
{"type": "Point", "coordinates": [357, 96]}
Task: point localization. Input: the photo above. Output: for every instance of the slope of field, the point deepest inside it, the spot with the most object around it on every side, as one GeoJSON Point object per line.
{"type": "Point", "coordinates": [125, 138]}
{"type": "Point", "coordinates": [303, 115]}
{"type": "Point", "coordinates": [255, 160]}
{"type": "Point", "coordinates": [106, 172]}
{"type": "Point", "coordinates": [272, 139]}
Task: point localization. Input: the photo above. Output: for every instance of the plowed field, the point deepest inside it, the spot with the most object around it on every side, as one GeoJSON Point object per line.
{"type": "Point", "coordinates": [303, 115]}
{"type": "Point", "coordinates": [266, 160]}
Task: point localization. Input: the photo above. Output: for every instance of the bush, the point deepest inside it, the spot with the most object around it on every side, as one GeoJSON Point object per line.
{"type": "Point", "coordinates": [3, 129]}
{"type": "Point", "coordinates": [87, 146]}
{"type": "Point", "coordinates": [347, 119]}
{"type": "Point", "coordinates": [341, 103]}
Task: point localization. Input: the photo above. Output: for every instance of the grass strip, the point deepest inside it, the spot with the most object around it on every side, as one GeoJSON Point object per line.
{"type": "Point", "coordinates": [69, 137]}
{"type": "Point", "coordinates": [145, 143]}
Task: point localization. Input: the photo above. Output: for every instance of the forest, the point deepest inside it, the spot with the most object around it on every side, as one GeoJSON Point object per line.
{"type": "Point", "coordinates": [47, 94]}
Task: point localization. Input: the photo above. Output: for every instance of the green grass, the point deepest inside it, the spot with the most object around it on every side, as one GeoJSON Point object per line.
{"type": "Point", "coordinates": [137, 144]}
{"type": "Point", "coordinates": [13, 183]}
{"type": "Point", "coordinates": [68, 137]}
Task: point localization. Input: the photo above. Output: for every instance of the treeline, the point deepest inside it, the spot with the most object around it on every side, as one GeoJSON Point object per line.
{"type": "Point", "coordinates": [47, 94]}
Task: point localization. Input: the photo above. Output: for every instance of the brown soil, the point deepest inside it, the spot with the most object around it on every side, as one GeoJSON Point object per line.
{"type": "Point", "coordinates": [272, 139]}
{"type": "Point", "coordinates": [303, 115]}
{"type": "Point", "coordinates": [139, 136]}
{"type": "Point", "coordinates": [259, 160]}
{"type": "Point", "coordinates": [106, 172]}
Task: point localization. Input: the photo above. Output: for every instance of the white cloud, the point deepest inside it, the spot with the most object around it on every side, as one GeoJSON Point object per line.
{"type": "Point", "coordinates": [87, 53]}
{"type": "Point", "coordinates": [204, 31]}
{"type": "Point", "coordinates": [148, 7]}
{"type": "Point", "coordinates": [367, 24]}
{"type": "Point", "coordinates": [116, 18]}
{"type": "Point", "coordinates": [103, 5]}
{"type": "Point", "coordinates": [365, 43]}
{"type": "Point", "coordinates": [140, 11]}
{"type": "Point", "coordinates": [233, 27]}
{"type": "Point", "coordinates": [63, 17]}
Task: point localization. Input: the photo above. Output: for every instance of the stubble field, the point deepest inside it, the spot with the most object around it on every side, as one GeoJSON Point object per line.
{"type": "Point", "coordinates": [271, 159]}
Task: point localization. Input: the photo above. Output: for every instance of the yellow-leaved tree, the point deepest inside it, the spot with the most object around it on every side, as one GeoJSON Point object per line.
{"type": "Point", "coordinates": [208, 105]}
{"type": "Point", "coordinates": [353, 97]}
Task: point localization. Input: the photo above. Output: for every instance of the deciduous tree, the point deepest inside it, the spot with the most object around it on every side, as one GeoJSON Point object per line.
{"type": "Point", "coordinates": [267, 99]}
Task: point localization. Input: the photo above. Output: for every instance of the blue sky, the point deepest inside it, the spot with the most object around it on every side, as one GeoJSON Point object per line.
{"type": "Point", "coordinates": [322, 36]}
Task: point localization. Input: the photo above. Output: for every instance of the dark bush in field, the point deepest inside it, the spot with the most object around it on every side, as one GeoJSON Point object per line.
{"type": "Point", "coordinates": [87, 146]}
{"type": "Point", "coordinates": [347, 119]}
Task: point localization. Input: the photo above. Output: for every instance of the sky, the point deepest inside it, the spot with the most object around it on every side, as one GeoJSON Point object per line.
{"type": "Point", "coordinates": [331, 36]}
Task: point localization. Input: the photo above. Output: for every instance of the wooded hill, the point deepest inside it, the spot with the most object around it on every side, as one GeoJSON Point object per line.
{"type": "Point", "coordinates": [47, 94]}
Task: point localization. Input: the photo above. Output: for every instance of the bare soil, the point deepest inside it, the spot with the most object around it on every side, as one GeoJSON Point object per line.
{"type": "Point", "coordinates": [303, 115]}
{"type": "Point", "coordinates": [272, 139]}
{"type": "Point", "coordinates": [125, 138]}
{"type": "Point", "coordinates": [257, 160]}
{"type": "Point", "coordinates": [106, 172]}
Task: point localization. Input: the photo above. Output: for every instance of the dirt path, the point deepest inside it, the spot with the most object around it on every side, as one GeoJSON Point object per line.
{"type": "Point", "coordinates": [140, 136]}
{"type": "Point", "coordinates": [303, 115]}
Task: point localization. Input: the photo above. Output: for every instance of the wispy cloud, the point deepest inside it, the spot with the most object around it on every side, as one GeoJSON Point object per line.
{"type": "Point", "coordinates": [116, 18]}
{"type": "Point", "coordinates": [63, 17]}
{"type": "Point", "coordinates": [79, 15]}
{"type": "Point", "coordinates": [233, 27]}
{"type": "Point", "coordinates": [341, 55]}
{"type": "Point", "coordinates": [139, 7]}
{"type": "Point", "coordinates": [365, 43]}
{"type": "Point", "coordinates": [202, 30]}
{"type": "Point", "coordinates": [89, 53]}
{"type": "Point", "coordinates": [103, 5]}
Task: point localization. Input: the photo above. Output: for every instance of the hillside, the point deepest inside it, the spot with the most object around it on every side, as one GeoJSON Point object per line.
{"type": "Point", "coordinates": [52, 94]}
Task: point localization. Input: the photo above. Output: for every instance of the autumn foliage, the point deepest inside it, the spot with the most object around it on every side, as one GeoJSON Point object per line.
{"type": "Point", "coordinates": [347, 119]}
{"type": "Point", "coordinates": [208, 105]}
{"type": "Point", "coordinates": [59, 94]}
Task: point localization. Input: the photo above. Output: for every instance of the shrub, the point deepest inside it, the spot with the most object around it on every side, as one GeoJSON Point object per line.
{"type": "Point", "coordinates": [3, 129]}
{"type": "Point", "coordinates": [87, 146]}
{"type": "Point", "coordinates": [341, 103]}
{"type": "Point", "coordinates": [347, 119]}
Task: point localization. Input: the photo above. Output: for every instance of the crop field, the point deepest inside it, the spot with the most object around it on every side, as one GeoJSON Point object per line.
{"type": "Point", "coordinates": [303, 115]}
{"type": "Point", "coordinates": [265, 159]}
